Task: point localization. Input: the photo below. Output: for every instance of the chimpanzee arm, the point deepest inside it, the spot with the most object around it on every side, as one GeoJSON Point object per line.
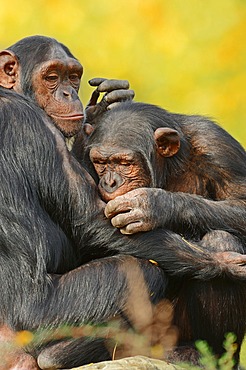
{"type": "Point", "coordinates": [145, 209]}
{"type": "Point", "coordinates": [175, 254]}
{"type": "Point", "coordinates": [199, 215]}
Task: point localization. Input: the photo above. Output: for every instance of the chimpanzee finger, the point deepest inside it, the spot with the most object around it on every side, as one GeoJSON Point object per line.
{"type": "Point", "coordinates": [230, 257]}
{"type": "Point", "coordinates": [119, 95]}
{"type": "Point", "coordinates": [94, 98]}
{"type": "Point", "coordinates": [110, 85]}
{"type": "Point", "coordinates": [113, 105]}
{"type": "Point", "coordinates": [123, 220]}
{"type": "Point", "coordinates": [135, 227]}
{"type": "Point", "coordinates": [96, 81]}
{"type": "Point", "coordinates": [119, 205]}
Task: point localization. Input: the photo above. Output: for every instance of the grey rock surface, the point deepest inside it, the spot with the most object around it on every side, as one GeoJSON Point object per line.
{"type": "Point", "coordinates": [135, 363]}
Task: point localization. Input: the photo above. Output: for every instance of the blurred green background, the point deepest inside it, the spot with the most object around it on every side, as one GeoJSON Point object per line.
{"type": "Point", "coordinates": [187, 56]}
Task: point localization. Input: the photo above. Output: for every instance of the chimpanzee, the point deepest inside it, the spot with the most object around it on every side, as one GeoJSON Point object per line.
{"type": "Point", "coordinates": [184, 173]}
{"type": "Point", "coordinates": [45, 70]}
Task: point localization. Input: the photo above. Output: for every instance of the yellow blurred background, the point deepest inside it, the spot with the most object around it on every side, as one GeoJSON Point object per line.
{"type": "Point", "coordinates": [186, 56]}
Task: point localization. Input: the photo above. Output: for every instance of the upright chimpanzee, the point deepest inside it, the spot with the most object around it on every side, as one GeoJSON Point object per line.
{"type": "Point", "coordinates": [184, 173]}
{"type": "Point", "coordinates": [46, 71]}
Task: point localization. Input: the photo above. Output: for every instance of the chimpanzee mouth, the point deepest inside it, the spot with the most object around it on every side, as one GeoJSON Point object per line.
{"type": "Point", "coordinates": [73, 117]}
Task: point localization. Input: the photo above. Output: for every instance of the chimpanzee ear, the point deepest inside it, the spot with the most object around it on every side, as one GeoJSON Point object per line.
{"type": "Point", "coordinates": [9, 68]}
{"type": "Point", "coordinates": [167, 141]}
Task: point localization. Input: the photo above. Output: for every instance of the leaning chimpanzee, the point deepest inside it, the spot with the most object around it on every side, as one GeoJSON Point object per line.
{"type": "Point", "coordinates": [184, 173]}
{"type": "Point", "coordinates": [46, 71]}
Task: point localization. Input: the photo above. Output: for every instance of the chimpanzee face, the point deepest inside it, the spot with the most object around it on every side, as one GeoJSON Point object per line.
{"type": "Point", "coordinates": [55, 85]}
{"type": "Point", "coordinates": [119, 170]}
{"type": "Point", "coordinates": [124, 158]}
{"type": "Point", "coordinates": [55, 81]}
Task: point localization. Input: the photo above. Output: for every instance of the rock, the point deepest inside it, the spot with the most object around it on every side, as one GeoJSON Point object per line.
{"type": "Point", "coordinates": [133, 363]}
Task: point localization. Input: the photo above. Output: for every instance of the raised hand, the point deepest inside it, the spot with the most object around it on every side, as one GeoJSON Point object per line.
{"type": "Point", "coordinates": [115, 91]}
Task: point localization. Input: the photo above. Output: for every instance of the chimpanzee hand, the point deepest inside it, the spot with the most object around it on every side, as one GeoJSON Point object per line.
{"type": "Point", "coordinates": [138, 210]}
{"type": "Point", "coordinates": [235, 261]}
{"type": "Point", "coordinates": [115, 91]}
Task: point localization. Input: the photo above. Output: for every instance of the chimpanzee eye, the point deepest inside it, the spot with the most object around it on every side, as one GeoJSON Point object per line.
{"type": "Point", "coordinates": [98, 161]}
{"type": "Point", "coordinates": [74, 77]}
{"type": "Point", "coordinates": [125, 167]}
{"type": "Point", "coordinates": [51, 77]}
{"type": "Point", "coordinates": [99, 168]}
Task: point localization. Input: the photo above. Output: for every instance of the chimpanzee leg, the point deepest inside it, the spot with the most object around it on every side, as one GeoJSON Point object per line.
{"type": "Point", "coordinates": [219, 304]}
{"type": "Point", "coordinates": [116, 287]}
{"type": "Point", "coordinates": [216, 304]}
{"type": "Point", "coordinates": [73, 352]}
{"type": "Point", "coordinates": [102, 288]}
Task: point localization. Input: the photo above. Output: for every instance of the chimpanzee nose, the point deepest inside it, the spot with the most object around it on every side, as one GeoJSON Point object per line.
{"type": "Point", "coordinates": [111, 182]}
{"type": "Point", "coordinates": [67, 93]}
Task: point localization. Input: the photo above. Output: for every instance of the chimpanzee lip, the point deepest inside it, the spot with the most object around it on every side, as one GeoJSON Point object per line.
{"type": "Point", "coordinates": [73, 117]}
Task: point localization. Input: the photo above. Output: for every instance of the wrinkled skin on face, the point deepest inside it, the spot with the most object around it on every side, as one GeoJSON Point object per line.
{"type": "Point", "coordinates": [119, 170]}
{"type": "Point", "coordinates": [56, 84]}
{"type": "Point", "coordinates": [126, 180]}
